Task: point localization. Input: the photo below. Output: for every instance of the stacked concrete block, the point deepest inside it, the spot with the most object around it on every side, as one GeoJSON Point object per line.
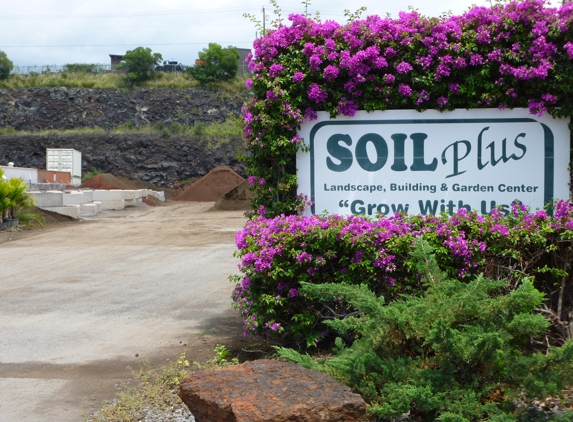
{"type": "Point", "coordinates": [48, 198]}
{"type": "Point", "coordinates": [88, 195]}
{"type": "Point", "coordinates": [90, 209]}
{"type": "Point", "coordinates": [110, 199]}
{"type": "Point", "coordinates": [73, 197]}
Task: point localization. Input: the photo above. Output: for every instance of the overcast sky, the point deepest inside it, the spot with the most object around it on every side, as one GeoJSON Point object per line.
{"type": "Point", "coordinates": [44, 32]}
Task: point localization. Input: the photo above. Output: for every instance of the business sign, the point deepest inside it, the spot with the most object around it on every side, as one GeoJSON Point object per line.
{"type": "Point", "coordinates": [432, 162]}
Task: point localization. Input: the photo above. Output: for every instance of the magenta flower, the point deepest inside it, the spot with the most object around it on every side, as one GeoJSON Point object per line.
{"type": "Point", "coordinates": [316, 94]}
{"type": "Point", "coordinates": [403, 68]}
{"type": "Point", "coordinates": [298, 77]}
{"type": "Point", "coordinates": [405, 90]}
{"type": "Point", "coordinates": [330, 72]}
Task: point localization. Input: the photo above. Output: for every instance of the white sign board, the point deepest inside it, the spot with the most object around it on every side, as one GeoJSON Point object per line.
{"type": "Point", "coordinates": [432, 162]}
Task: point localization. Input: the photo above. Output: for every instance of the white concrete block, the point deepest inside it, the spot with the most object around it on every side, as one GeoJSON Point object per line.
{"type": "Point", "coordinates": [98, 205]}
{"type": "Point", "coordinates": [117, 204]}
{"type": "Point", "coordinates": [139, 194]}
{"type": "Point", "coordinates": [128, 194]}
{"type": "Point", "coordinates": [130, 202]}
{"type": "Point", "coordinates": [108, 195]}
{"type": "Point", "coordinates": [69, 210]}
{"type": "Point", "coordinates": [88, 196]}
{"type": "Point", "coordinates": [48, 198]}
{"type": "Point", "coordinates": [73, 197]}
{"type": "Point", "coordinates": [90, 209]}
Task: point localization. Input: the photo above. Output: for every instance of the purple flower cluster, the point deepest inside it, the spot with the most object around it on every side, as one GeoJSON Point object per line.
{"type": "Point", "coordinates": [278, 253]}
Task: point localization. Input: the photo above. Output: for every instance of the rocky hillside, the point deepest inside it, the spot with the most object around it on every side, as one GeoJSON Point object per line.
{"type": "Point", "coordinates": [149, 157]}
{"type": "Point", "coordinates": [69, 108]}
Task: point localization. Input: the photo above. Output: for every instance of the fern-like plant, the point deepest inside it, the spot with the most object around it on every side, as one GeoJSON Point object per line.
{"type": "Point", "coordinates": [459, 352]}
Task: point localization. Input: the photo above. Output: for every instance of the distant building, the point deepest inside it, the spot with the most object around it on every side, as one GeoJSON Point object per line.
{"type": "Point", "coordinates": [243, 68]}
{"type": "Point", "coordinates": [115, 60]}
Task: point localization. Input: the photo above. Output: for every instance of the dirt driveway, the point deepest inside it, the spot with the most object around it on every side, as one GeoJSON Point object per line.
{"type": "Point", "coordinates": [82, 302]}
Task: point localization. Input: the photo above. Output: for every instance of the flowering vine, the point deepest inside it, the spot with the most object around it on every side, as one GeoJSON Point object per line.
{"type": "Point", "coordinates": [518, 54]}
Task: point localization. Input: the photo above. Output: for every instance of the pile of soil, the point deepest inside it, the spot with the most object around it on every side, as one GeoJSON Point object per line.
{"type": "Point", "coordinates": [212, 186]}
{"type": "Point", "coordinates": [236, 199]}
{"type": "Point", "coordinates": [105, 181]}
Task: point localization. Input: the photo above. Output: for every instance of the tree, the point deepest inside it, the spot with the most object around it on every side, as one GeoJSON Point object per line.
{"type": "Point", "coordinates": [6, 66]}
{"type": "Point", "coordinates": [216, 64]}
{"type": "Point", "coordinates": [140, 64]}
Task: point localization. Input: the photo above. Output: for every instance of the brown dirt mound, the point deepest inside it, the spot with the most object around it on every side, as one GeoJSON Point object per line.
{"type": "Point", "coordinates": [100, 182]}
{"type": "Point", "coordinates": [212, 186]}
{"type": "Point", "coordinates": [236, 199]}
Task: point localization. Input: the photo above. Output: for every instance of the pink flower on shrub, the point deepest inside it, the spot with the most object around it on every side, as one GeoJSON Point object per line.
{"type": "Point", "coordinates": [347, 107]}
{"type": "Point", "coordinates": [275, 69]}
{"type": "Point", "coordinates": [315, 62]}
{"type": "Point", "coordinates": [569, 49]}
{"type": "Point", "coordinates": [330, 72]}
{"type": "Point", "coordinates": [442, 101]}
{"type": "Point", "coordinates": [298, 77]}
{"type": "Point", "coordinates": [249, 83]}
{"type": "Point", "coordinates": [389, 78]}
{"type": "Point", "coordinates": [316, 94]}
{"type": "Point", "coordinates": [455, 89]}
{"type": "Point", "coordinates": [310, 114]}
{"type": "Point", "coordinates": [405, 90]}
{"type": "Point", "coordinates": [402, 68]}
{"type": "Point", "coordinates": [422, 96]}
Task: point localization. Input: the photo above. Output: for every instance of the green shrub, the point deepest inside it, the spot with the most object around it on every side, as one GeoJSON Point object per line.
{"type": "Point", "coordinates": [456, 352]}
{"type": "Point", "coordinates": [6, 66]}
{"type": "Point", "coordinates": [278, 254]}
{"type": "Point", "coordinates": [90, 174]}
{"type": "Point", "coordinates": [198, 128]}
{"type": "Point", "coordinates": [16, 202]}
{"type": "Point", "coordinates": [215, 64]}
{"type": "Point", "coordinates": [139, 64]}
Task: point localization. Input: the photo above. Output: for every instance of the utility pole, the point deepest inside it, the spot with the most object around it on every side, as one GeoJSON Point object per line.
{"type": "Point", "coordinates": [306, 8]}
{"type": "Point", "coordinates": [264, 19]}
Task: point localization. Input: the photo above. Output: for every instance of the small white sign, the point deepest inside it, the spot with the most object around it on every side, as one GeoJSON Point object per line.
{"type": "Point", "coordinates": [432, 162]}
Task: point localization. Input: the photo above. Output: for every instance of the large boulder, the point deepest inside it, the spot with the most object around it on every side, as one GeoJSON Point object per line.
{"type": "Point", "coordinates": [269, 391]}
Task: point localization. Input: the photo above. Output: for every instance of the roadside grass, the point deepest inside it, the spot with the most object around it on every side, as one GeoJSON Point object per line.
{"type": "Point", "coordinates": [110, 80]}
{"type": "Point", "coordinates": [215, 133]}
{"type": "Point", "coordinates": [156, 392]}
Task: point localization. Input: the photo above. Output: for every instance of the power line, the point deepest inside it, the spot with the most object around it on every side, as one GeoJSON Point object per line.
{"type": "Point", "coordinates": [123, 45]}
{"type": "Point", "coordinates": [112, 27]}
{"type": "Point", "coordinates": [130, 14]}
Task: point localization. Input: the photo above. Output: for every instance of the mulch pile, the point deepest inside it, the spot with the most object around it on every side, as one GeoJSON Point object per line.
{"type": "Point", "coordinates": [236, 199]}
{"type": "Point", "coordinates": [109, 182]}
{"type": "Point", "coordinates": [212, 186]}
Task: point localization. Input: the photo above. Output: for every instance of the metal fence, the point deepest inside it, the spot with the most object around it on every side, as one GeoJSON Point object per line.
{"type": "Point", "coordinates": [91, 68]}
{"type": "Point", "coordinates": [243, 69]}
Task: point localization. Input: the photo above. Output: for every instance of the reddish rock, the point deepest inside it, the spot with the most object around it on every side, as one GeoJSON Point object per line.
{"type": "Point", "coordinates": [269, 391]}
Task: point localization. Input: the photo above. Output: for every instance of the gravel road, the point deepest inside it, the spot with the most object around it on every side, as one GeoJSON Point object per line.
{"type": "Point", "coordinates": [80, 303]}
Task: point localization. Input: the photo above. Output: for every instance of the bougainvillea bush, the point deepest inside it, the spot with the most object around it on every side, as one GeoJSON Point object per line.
{"type": "Point", "coordinates": [518, 54]}
{"type": "Point", "coordinates": [279, 253]}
